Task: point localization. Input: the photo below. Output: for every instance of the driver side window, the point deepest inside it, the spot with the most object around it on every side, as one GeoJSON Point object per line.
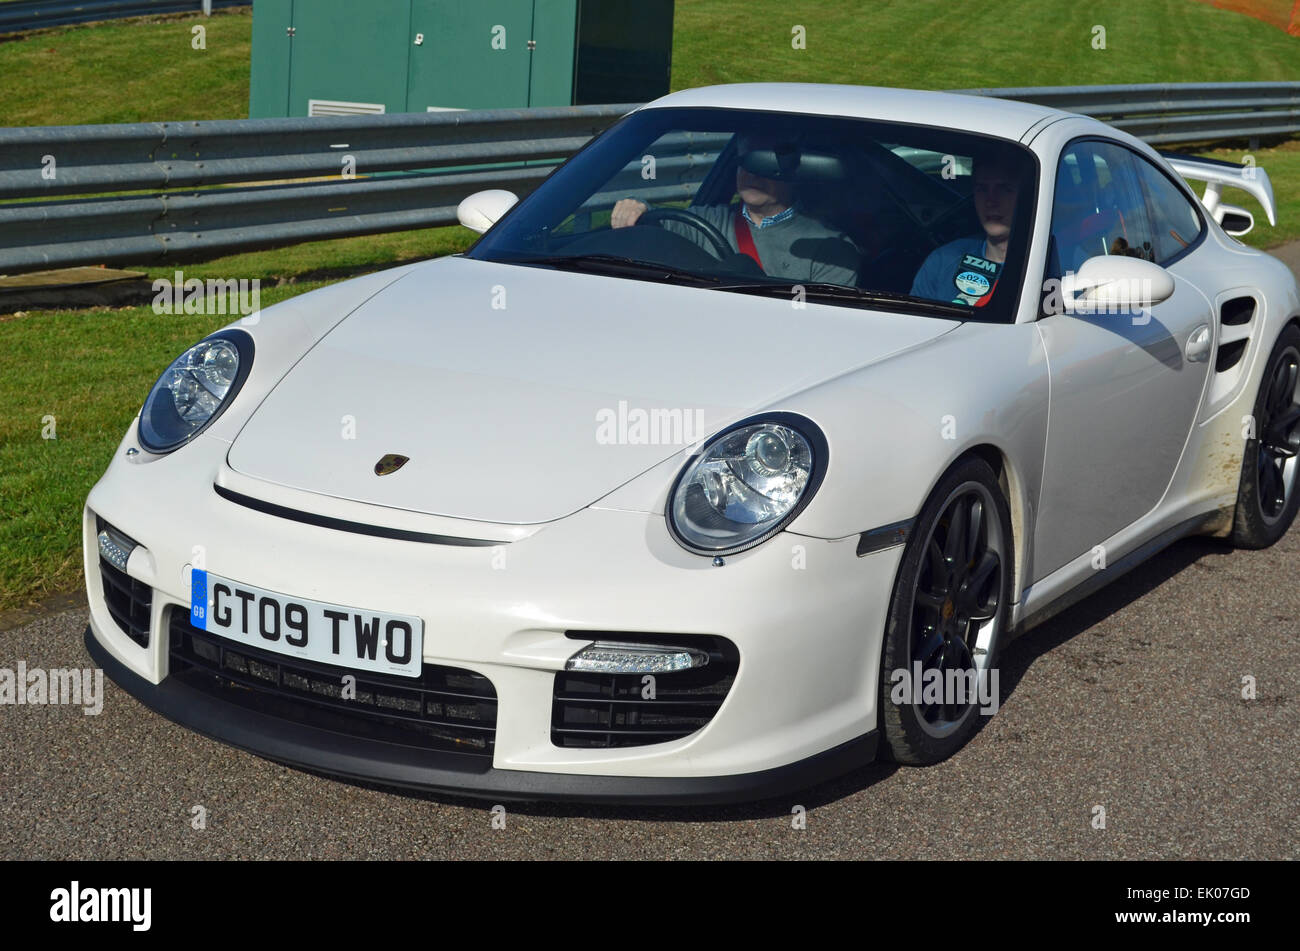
{"type": "Point", "coordinates": [1099, 207]}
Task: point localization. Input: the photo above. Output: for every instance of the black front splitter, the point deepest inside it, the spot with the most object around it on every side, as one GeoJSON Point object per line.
{"type": "Point", "coordinates": [458, 774]}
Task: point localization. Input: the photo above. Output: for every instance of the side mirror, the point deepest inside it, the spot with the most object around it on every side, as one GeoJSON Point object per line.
{"type": "Point", "coordinates": [1115, 283]}
{"type": "Point", "coordinates": [1236, 221]}
{"type": "Point", "coordinates": [482, 210]}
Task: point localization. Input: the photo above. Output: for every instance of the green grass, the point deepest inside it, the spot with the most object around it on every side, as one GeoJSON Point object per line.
{"type": "Point", "coordinates": [91, 369]}
{"type": "Point", "coordinates": [937, 44]}
{"type": "Point", "coordinates": [145, 70]}
{"type": "Point", "coordinates": [127, 71]}
{"type": "Point", "coordinates": [327, 259]}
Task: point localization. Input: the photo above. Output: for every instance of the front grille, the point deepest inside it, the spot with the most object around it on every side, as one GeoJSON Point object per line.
{"type": "Point", "coordinates": [129, 601]}
{"type": "Point", "coordinates": [445, 708]}
{"type": "Point", "coordinates": [595, 710]}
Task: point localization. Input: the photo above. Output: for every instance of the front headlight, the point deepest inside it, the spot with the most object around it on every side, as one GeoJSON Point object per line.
{"type": "Point", "coordinates": [194, 390]}
{"type": "Point", "coordinates": [747, 483]}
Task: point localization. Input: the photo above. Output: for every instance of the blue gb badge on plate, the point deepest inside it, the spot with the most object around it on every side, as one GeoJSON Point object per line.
{"type": "Point", "coordinates": [199, 598]}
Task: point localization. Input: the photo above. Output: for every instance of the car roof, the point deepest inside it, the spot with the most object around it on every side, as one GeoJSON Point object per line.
{"type": "Point", "coordinates": [1007, 118]}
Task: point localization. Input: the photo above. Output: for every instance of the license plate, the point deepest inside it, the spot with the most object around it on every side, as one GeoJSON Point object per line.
{"type": "Point", "coordinates": [300, 627]}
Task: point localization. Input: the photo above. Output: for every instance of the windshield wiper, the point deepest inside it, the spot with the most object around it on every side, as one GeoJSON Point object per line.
{"type": "Point", "coordinates": [813, 290]}
{"type": "Point", "coordinates": [614, 264]}
{"type": "Point", "coordinates": [816, 291]}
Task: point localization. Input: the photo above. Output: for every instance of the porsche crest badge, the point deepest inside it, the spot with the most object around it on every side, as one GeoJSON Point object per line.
{"type": "Point", "coordinates": [390, 463]}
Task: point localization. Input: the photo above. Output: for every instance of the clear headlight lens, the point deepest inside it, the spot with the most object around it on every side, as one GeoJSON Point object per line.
{"type": "Point", "coordinates": [192, 391]}
{"type": "Point", "coordinates": [744, 486]}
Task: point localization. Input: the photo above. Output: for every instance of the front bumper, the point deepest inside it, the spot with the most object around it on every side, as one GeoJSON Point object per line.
{"type": "Point", "coordinates": [303, 745]}
{"type": "Point", "coordinates": [805, 614]}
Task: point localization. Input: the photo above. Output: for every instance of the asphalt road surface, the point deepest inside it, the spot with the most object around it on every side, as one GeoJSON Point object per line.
{"type": "Point", "coordinates": [1130, 701]}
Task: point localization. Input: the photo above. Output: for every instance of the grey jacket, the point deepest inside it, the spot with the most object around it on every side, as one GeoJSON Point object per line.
{"type": "Point", "coordinates": [800, 248]}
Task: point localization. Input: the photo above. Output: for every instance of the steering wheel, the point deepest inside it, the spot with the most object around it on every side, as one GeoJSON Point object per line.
{"type": "Point", "coordinates": [721, 249]}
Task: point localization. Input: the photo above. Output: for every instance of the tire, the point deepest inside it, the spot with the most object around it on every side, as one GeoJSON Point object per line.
{"type": "Point", "coordinates": [1266, 495]}
{"type": "Point", "coordinates": [951, 599]}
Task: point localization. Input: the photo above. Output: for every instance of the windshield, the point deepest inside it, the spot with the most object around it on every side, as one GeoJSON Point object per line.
{"type": "Point", "coordinates": [829, 209]}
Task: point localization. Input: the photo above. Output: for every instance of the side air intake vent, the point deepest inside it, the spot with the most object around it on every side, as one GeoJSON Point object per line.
{"type": "Point", "coordinates": [1229, 355]}
{"type": "Point", "coordinates": [1238, 311]}
{"type": "Point", "coordinates": [1235, 315]}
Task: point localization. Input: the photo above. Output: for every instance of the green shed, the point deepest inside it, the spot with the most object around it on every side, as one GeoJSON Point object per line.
{"type": "Point", "coordinates": [341, 57]}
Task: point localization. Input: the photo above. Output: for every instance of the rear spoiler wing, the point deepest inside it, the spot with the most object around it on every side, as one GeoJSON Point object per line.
{"type": "Point", "coordinates": [1216, 174]}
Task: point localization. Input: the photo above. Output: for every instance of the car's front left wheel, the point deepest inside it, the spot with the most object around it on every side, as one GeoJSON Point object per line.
{"type": "Point", "coordinates": [947, 617]}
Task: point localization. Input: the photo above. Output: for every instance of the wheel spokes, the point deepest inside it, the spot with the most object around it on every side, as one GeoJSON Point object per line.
{"type": "Point", "coordinates": [931, 645]}
{"type": "Point", "coordinates": [1277, 434]}
{"type": "Point", "coordinates": [938, 567]}
{"type": "Point", "coordinates": [962, 658]}
{"type": "Point", "coordinates": [958, 592]}
{"type": "Point", "coordinates": [1282, 391]}
{"type": "Point", "coordinates": [977, 599]}
{"type": "Point", "coordinates": [1272, 487]}
{"type": "Point", "coordinates": [931, 601]}
{"type": "Point", "coordinates": [983, 571]}
{"type": "Point", "coordinates": [954, 546]}
{"type": "Point", "coordinates": [974, 525]}
{"type": "Point", "coordinates": [957, 658]}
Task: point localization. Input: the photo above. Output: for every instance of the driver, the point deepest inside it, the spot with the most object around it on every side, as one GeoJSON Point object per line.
{"type": "Point", "coordinates": [966, 271]}
{"type": "Point", "coordinates": [768, 226]}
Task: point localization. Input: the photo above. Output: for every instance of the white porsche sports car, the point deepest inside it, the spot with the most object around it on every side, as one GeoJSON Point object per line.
{"type": "Point", "coordinates": [768, 400]}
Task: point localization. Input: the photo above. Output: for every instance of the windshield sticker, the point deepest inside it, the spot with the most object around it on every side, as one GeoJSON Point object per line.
{"type": "Point", "coordinates": [974, 280]}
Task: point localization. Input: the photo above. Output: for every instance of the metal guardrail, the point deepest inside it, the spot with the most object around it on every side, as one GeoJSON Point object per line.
{"type": "Point", "coordinates": [437, 159]}
{"type": "Point", "coordinates": [1174, 113]}
{"type": "Point", "coordinates": [229, 151]}
{"type": "Point", "coordinates": [38, 14]}
{"type": "Point", "coordinates": [208, 221]}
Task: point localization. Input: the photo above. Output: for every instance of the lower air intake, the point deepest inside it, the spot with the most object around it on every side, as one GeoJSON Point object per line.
{"type": "Point", "coordinates": [129, 601]}
{"type": "Point", "coordinates": [597, 710]}
{"type": "Point", "coordinates": [445, 708]}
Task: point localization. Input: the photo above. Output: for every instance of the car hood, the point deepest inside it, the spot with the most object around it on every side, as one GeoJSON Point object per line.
{"type": "Point", "coordinates": [522, 394]}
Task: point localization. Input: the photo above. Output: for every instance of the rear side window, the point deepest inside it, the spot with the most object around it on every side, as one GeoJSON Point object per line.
{"type": "Point", "coordinates": [1174, 222]}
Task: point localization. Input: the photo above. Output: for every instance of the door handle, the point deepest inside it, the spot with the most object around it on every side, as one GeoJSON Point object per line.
{"type": "Point", "coordinates": [1198, 344]}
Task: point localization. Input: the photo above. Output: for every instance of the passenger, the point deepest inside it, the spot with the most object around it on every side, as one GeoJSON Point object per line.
{"type": "Point", "coordinates": [768, 226]}
{"type": "Point", "coordinates": [966, 271]}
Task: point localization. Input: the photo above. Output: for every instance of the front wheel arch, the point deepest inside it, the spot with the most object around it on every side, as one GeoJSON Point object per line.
{"type": "Point", "coordinates": [913, 620]}
{"type": "Point", "coordinates": [1013, 490]}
